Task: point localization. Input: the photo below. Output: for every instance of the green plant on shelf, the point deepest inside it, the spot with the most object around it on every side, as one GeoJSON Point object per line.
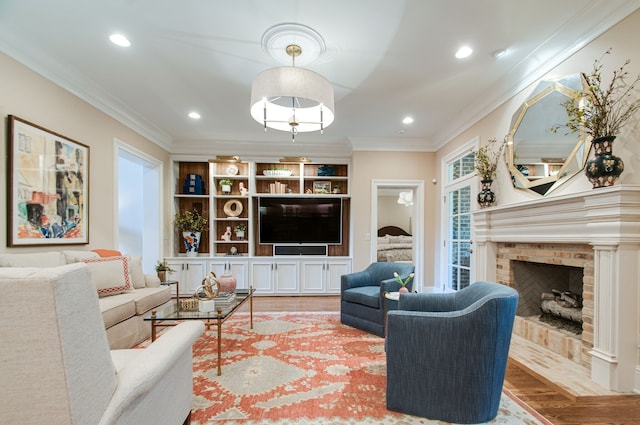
{"type": "Point", "coordinates": [188, 221]}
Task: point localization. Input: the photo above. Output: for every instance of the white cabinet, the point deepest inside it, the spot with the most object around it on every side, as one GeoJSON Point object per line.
{"type": "Point", "coordinates": [323, 276]}
{"type": "Point", "coordinates": [188, 273]}
{"type": "Point", "coordinates": [280, 276]}
{"type": "Point", "coordinates": [238, 268]}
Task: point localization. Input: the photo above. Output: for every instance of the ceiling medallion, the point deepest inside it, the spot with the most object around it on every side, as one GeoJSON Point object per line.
{"type": "Point", "coordinates": [276, 39]}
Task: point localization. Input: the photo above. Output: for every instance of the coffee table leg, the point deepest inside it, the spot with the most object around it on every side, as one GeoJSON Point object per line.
{"type": "Point", "coordinates": [153, 326]}
{"type": "Point", "coordinates": [219, 342]}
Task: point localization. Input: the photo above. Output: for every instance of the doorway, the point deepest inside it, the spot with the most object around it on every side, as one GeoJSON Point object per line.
{"type": "Point", "coordinates": [397, 221]}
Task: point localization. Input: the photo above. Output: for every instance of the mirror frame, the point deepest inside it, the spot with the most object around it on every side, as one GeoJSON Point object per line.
{"type": "Point", "coordinates": [546, 184]}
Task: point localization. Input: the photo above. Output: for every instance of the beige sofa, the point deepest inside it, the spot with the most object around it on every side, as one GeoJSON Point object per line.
{"type": "Point", "coordinates": [56, 363]}
{"type": "Point", "coordinates": [125, 293]}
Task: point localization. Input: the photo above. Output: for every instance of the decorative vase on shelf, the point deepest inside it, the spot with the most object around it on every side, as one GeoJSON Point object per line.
{"type": "Point", "coordinates": [162, 275]}
{"type": "Point", "coordinates": [605, 168]}
{"type": "Point", "coordinates": [486, 197]}
{"type": "Point", "coordinates": [227, 283]}
{"type": "Point", "coordinates": [191, 242]}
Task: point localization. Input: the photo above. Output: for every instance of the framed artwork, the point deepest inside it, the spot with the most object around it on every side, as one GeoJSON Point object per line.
{"type": "Point", "coordinates": [48, 187]}
{"type": "Point", "coordinates": [322, 187]}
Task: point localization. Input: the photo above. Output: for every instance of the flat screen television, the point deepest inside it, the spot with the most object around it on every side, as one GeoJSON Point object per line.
{"type": "Point", "coordinates": [300, 220]}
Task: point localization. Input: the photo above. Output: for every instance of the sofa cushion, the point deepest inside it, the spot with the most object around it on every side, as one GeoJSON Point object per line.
{"type": "Point", "coordinates": [36, 259]}
{"type": "Point", "coordinates": [117, 309]}
{"type": "Point", "coordinates": [77, 256]}
{"type": "Point", "coordinates": [136, 273]}
{"type": "Point", "coordinates": [110, 274]}
{"type": "Point", "coordinates": [365, 295]}
{"type": "Point", "coordinates": [148, 298]}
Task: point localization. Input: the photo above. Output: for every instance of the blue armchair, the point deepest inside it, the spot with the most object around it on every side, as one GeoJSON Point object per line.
{"type": "Point", "coordinates": [447, 353]}
{"type": "Point", "coordinates": [362, 304]}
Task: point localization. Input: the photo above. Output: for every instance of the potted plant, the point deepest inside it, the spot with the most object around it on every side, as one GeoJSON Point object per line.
{"type": "Point", "coordinates": [601, 111]}
{"type": "Point", "coordinates": [225, 185]}
{"type": "Point", "coordinates": [162, 268]}
{"type": "Point", "coordinates": [240, 229]}
{"type": "Point", "coordinates": [191, 224]}
{"type": "Point", "coordinates": [403, 283]}
{"type": "Point", "coordinates": [486, 163]}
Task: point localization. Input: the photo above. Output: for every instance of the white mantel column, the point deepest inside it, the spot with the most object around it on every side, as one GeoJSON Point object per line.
{"type": "Point", "coordinates": [616, 316]}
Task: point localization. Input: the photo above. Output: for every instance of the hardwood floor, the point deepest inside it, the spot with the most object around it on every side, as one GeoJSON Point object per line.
{"type": "Point", "coordinates": [548, 400]}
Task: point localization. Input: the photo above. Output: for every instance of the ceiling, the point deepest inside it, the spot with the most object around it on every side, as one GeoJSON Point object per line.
{"type": "Point", "coordinates": [385, 59]}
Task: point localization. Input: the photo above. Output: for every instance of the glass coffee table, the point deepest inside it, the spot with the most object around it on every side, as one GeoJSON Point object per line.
{"type": "Point", "coordinates": [171, 314]}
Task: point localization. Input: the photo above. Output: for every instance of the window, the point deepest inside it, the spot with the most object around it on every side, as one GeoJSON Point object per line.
{"type": "Point", "coordinates": [139, 206]}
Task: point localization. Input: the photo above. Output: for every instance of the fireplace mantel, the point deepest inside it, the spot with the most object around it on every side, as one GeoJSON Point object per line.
{"type": "Point", "coordinates": [609, 220]}
{"type": "Point", "coordinates": [607, 215]}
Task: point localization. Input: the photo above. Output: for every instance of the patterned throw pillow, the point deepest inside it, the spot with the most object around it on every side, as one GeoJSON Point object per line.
{"type": "Point", "coordinates": [110, 274]}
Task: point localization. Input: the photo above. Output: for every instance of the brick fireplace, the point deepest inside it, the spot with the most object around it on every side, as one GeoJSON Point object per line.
{"type": "Point", "coordinates": [597, 231]}
{"type": "Point", "coordinates": [574, 257]}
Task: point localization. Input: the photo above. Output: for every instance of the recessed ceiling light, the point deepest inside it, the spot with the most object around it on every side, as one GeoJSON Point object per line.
{"type": "Point", "coordinates": [194, 115]}
{"type": "Point", "coordinates": [500, 52]}
{"type": "Point", "coordinates": [120, 40]}
{"type": "Point", "coordinates": [463, 52]}
{"type": "Point", "coordinates": [407, 120]}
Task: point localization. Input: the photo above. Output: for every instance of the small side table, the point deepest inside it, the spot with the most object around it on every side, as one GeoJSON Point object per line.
{"type": "Point", "coordinates": [173, 282]}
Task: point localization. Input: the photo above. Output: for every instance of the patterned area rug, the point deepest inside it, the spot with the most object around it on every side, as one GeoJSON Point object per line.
{"type": "Point", "coordinates": [303, 369]}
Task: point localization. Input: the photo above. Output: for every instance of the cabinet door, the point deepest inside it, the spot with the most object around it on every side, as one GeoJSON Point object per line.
{"type": "Point", "coordinates": [195, 272]}
{"type": "Point", "coordinates": [286, 275]}
{"type": "Point", "coordinates": [239, 270]}
{"type": "Point", "coordinates": [334, 272]}
{"type": "Point", "coordinates": [188, 273]}
{"type": "Point", "coordinates": [236, 268]}
{"type": "Point", "coordinates": [313, 277]}
{"type": "Point", "coordinates": [262, 276]}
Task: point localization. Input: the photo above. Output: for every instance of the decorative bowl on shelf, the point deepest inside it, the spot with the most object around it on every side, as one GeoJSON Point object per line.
{"type": "Point", "coordinates": [280, 172]}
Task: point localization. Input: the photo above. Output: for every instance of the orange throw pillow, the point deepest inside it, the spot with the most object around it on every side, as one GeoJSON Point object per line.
{"type": "Point", "coordinates": [107, 252]}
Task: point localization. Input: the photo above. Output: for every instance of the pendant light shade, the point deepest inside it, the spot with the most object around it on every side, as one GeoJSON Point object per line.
{"type": "Point", "coordinates": [289, 98]}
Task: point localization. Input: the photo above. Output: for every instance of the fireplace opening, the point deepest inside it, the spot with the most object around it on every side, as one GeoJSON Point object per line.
{"type": "Point", "coordinates": [550, 292]}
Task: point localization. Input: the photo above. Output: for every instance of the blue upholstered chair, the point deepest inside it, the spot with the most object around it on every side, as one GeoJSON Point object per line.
{"type": "Point", "coordinates": [361, 296]}
{"type": "Point", "coordinates": [447, 353]}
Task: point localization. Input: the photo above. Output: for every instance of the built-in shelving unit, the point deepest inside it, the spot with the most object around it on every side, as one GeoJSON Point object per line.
{"type": "Point", "coordinates": [243, 256]}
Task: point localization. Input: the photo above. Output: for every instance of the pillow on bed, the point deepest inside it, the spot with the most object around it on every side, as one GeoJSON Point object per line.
{"type": "Point", "coordinates": [399, 239]}
{"type": "Point", "coordinates": [109, 274]}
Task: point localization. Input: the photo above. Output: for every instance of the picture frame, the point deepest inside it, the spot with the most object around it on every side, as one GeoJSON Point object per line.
{"type": "Point", "coordinates": [322, 187]}
{"type": "Point", "coordinates": [48, 187]}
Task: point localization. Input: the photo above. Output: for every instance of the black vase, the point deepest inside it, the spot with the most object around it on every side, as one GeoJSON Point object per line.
{"type": "Point", "coordinates": [486, 197]}
{"type": "Point", "coordinates": [605, 168]}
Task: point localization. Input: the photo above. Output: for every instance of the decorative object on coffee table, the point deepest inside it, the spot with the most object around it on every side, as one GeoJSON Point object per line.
{"type": "Point", "coordinates": [227, 283]}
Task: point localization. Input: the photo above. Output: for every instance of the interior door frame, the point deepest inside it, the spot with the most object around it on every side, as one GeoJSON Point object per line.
{"type": "Point", "coordinates": [417, 223]}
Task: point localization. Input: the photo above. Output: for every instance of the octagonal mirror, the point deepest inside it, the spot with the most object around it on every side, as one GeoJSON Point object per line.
{"type": "Point", "coordinates": [538, 158]}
